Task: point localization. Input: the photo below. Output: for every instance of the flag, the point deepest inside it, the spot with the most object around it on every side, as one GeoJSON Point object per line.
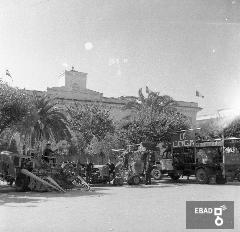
{"type": "Point", "coordinates": [8, 73]}
{"type": "Point", "coordinates": [198, 94]}
{"type": "Point", "coordinates": [148, 90]}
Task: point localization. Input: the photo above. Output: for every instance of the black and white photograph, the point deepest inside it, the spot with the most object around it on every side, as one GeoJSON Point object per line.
{"type": "Point", "coordinates": [119, 115]}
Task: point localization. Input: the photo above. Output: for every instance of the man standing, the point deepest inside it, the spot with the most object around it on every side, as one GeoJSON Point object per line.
{"type": "Point", "coordinates": [89, 168]}
{"type": "Point", "coordinates": [149, 168]}
{"type": "Point", "coordinates": [111, 169]}
{"type": "Point", "coordinates": [47, 153]}
{"type": "Point", "coordinates": [144, 160]}
{"type": "Point", "coordinates": [127, 155]}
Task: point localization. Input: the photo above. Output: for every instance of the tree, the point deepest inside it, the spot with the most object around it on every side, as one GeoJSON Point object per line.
{"type": "Point", "coordinates": [44, 121]}
{"type": "Point", "coordinates": [154, 103]}
{"type": "Point", "coordinates": [14, 106]}
{"type": "Point", "coordinates": [210, 129]}
{"type": "Point", "coordinates": [90, 121]}
{"type": "Point", "coordinates": [155, 119]}
{"type": "Point", "coordinates": [160, 130]}
{"type": "Point", "coordinates": [7, 142]}
{"type": "Point", "coordinates": [217, 127]}
{"type": "Point", "coordinates": [233, 128]}
{"type": "Point", "coordinates": [77, 144]}
{"type": "Point", "coordinates": [103, 148]}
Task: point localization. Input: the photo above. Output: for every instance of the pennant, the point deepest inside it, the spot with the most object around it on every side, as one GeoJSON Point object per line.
{"type": "Point", "coordinates": [198, 94]}
{"type": "Point", "coordinates": [8, 73]}
{"type": "Point", "coordinates": [148, 90]}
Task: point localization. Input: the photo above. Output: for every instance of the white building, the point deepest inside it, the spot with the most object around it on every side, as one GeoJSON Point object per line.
{"type": "Point", "coordinates": [75, 90]}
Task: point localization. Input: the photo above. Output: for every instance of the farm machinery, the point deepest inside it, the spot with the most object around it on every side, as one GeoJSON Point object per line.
{"type": "Point", "coordinates": [101, 174]}
{"type": "Point", "coordinates": [131, 167]}
{"type": "Point", "coordinates": [32, 174]}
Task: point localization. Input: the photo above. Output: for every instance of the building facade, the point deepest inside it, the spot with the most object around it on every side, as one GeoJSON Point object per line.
{"type": "Point", "coordinates": [75, 90]}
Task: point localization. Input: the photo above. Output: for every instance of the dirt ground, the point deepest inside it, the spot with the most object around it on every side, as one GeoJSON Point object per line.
{"type": "Point", "coordinates": [157, 207]}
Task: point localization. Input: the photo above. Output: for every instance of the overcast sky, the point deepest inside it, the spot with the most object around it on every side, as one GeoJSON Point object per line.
{"type": "Point", "coordinates": [173, 46]}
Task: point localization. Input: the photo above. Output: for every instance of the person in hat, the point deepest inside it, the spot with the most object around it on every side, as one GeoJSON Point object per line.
{"type": "Point", "coordinates": [111, 167]}
{"type": "Point", "coordinates": [47, 153]}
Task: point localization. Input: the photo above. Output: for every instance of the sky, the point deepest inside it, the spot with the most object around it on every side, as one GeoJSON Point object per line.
{"type": "Point", "coordinates": [172, 46]}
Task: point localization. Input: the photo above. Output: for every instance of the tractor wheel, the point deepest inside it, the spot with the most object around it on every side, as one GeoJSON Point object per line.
{"type": "Point", "coordinates": [202, 176]}
{"type": "Point", "coordinates": [136, 180]}
{"type": "Point", "coordinates": [156, 174]}
{"type": "Point", "coordinates": [238, 176]}
{"type": "Point", "coordinates": [174, 177]}
{"type": "Point", "coordinates": [130, 180]}
{"type": "Point", "coordinates": [115, 181]}
{"type": "Point", "coordinates": [22, 182]}
{"type": "Point", "coordinates": [220, 180]}
{"type": "Point", "coordinates": [120, 181]}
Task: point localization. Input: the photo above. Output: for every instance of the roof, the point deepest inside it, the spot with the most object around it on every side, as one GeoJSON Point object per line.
{"type": "Point", "coordinates": [232, 138]}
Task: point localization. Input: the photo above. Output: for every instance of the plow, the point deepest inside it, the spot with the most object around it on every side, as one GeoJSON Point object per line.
{"type": "Point", "coordinates": [28, 174]}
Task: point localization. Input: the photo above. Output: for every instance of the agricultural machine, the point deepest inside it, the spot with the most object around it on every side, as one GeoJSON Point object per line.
{"type": "Point", "coordinates": [101, 174]}
{"type": "Point", "coordinates": [132, 163]}
{"type": "Point", "coordinates": [32, 174]}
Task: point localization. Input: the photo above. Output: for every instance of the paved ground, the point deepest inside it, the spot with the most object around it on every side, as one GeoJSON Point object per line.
{"type": "Point", "coordinates": [159, 207]}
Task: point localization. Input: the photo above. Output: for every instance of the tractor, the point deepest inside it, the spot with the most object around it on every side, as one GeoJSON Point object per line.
{"type": "Point", "coordinates": [29, 173]}
{"type": "Point", "coordinates": [132, 162]}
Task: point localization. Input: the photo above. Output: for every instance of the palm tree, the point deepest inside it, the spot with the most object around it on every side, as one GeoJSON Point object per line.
{"type": "Point", "coordinates": [45, 121]}
{"type": "Point", "coordinates": [152, 105]}
{"type": "Point", "coordinates": [155, 117]}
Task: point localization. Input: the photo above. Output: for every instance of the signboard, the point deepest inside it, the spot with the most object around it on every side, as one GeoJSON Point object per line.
{"type": "Point", "coordinates": [210, 144]}
{"type": "Point", "coordinates": [184, 139]}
